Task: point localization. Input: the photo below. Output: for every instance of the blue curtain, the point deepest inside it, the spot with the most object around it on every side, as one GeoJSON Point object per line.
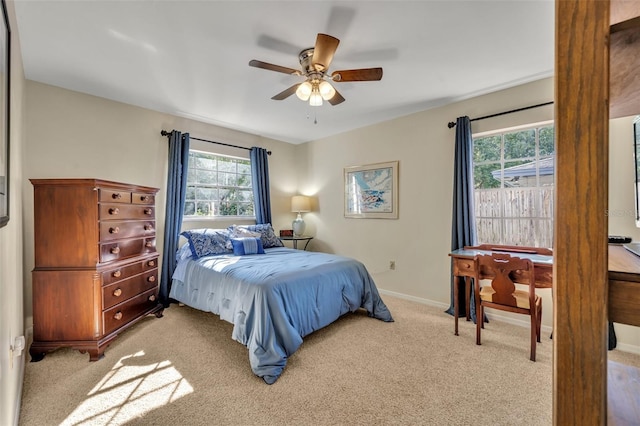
{"type": "Point", "coordinates": [260, 182]}
{"type": "Point", "coordinates": [176, 191]}
{"type": "Point", "coordinates": [463, 227]}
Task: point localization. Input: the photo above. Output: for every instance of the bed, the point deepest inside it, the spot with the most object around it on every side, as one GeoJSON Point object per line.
{"type": "Point", "coordinates": [273, 297]}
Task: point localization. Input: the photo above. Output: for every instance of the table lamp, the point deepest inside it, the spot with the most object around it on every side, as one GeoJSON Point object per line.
{"type": "Point", "coordinates": [299, 204]}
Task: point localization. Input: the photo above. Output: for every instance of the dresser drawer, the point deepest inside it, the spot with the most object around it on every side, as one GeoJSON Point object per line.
{"type": "Point", "coordinates": [114, 196]}
{"type": "Point", "coordinates": [129, 270]}
{"type": "Point", "coordinates": [119, 315]}
{"type": "Point", "coordinates": [117, 230]}
{"type": "Point", "coordinates": [122, 290]}
{"type": "Point", "coordinates": [141, 198]}
{"type": "Point", "coordinates": [110, 211]}
{"type": "Point", "coordinates": [122, 249]}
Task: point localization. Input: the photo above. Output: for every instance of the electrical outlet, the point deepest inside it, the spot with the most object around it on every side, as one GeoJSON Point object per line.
{"type": "Point", "coordinates": [16, 349]}
{"type": "Point", "coordinates": [392, 265]}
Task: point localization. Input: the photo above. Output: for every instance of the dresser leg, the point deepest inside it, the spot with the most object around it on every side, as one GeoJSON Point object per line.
{"type": "Point", "coordinates": [94, 354]}
{"type": "Point", "coordinates": [36, 356]}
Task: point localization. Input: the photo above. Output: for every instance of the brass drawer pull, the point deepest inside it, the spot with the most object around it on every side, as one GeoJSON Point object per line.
{"type": "Point", "coordinates": [117, 292]}
{"type": "Point", "coordinates": [145, 198]}
{"type": "Point", "coordinates": [151, 279]}
{"type": "Point", "coordinates": [148, 211]}
{"type": "Point", "coordinates": [114, 230]}
{"type": "Point", "coordinates": [152, 263]}
{"type": "Point", "coordinates": [116, 196]}
{"type": "Point", "coordinates": [148, 228]}
{"type": "Point", "coordinates": [115, 250]}
{"type": "Point", "coordinates": [114, 210]}
{"type": "Point", "coordinates": [117, 273]}
{"type": "Point", "coordinates": [117, 316]}
{"type": "Point", "coordinates": [148, 244]}
{"type": "Point", "coordinates": [152, 298]}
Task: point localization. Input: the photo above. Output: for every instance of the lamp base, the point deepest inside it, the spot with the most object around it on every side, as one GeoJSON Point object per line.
{"type": "Point", "coordinates": [298, 226]}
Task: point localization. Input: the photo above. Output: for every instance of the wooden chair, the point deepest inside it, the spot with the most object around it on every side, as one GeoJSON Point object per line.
{"type": "Point", "coordinates": [504, 271]}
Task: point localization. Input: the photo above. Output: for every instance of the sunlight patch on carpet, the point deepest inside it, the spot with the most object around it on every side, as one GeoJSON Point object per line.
{"type": "Point", "coordinates": [131, 389]}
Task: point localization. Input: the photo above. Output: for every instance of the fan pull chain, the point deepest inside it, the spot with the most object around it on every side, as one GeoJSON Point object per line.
{"type": "Point", "coordinates": [315, 117]}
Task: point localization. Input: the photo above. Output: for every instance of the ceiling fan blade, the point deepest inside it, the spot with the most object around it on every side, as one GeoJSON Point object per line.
{"type": "Point", "coordinates": [323, 51]}
{"type": "Point", "coordinates": [336, 99]}
{"type": "Point", "coordinates": [286, 93]}
{"type": "Point", "coordinates": [364, 74]}
{"type": "Point", "coordinates": [272, 67]}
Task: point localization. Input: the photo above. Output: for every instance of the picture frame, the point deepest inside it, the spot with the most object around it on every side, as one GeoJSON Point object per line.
{"type": "Point", "coordinates": [5, 68]}
{"type": "Point", "coordinates": [371, 191]}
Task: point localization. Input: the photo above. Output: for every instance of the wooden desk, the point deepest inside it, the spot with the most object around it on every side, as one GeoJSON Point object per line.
{"type": "Point", "coordinates": [623, 381]}
{"type": "Point", "coordinates": [462, 266]}
{"type": "Point", "coordinates": [624, 276]}
{"type": "Point", "coordinates": [624, 286]}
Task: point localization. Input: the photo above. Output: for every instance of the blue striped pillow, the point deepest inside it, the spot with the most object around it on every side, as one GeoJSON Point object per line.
{"type": "Point", "coordinates": [247, 245]}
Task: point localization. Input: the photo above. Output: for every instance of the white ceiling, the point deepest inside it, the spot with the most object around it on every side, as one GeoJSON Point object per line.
{"type": "Point", "coordinates": [190, 58]}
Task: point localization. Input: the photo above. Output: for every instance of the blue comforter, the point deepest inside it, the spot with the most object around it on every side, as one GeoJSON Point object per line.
{"type": "Point", "coordinates": [275, 299]}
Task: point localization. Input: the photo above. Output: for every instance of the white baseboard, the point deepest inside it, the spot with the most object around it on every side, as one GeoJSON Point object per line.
{"type": "Point", "coordinates": [623, 347]}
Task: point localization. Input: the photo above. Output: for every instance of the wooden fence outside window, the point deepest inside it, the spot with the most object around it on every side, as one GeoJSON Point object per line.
{"type": "Point", "coordinates": [515, 216]}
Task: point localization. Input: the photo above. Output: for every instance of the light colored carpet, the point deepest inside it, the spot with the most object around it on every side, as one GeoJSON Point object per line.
{"type": "Point", "coordinates": [184, 369]}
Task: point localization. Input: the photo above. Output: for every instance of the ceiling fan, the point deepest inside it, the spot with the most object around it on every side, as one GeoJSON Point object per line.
{"type": "Point", "coordinates": [315, 62]}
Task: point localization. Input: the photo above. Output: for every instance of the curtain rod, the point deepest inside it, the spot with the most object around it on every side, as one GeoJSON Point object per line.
{"type": "Point", "coordinates": [452, 123]}
{"type": "Point", "coordinates": [167, 134]}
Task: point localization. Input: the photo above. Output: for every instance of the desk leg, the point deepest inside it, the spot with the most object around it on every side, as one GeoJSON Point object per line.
{"type": "Point", "coordinates": [295, 244]}
{"type": "Point", "coordinates": [467, 291]}
{"type": "Point", "coordinates": [456, 282]}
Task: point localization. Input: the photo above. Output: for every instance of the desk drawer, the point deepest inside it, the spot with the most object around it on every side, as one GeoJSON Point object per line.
{"type": "Point", "coordinates": [463, 267]}
{"type": "Point", "coordinates": [624, 302]}
{"type": "Point", "coordinates": [126, 289]}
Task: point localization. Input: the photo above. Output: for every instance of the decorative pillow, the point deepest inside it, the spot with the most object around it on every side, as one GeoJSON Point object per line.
{"type": "Point", "coordinates": [206, 242]}
{"type": "Point", "coordinates": [267, 235]}
{"type": "Point", "coordinates": [247, 245]}
{"type": "Point", "coordinates": [240, 232]}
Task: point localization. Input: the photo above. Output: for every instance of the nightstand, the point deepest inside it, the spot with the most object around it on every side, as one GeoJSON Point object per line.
{"type": "Point", "coordinates": [296, 239]}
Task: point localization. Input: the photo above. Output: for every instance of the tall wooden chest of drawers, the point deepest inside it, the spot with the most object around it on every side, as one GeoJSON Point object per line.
{"type": "Point", "coordinates": [96, 264]}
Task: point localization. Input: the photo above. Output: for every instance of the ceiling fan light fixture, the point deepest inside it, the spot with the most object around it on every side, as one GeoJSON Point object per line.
{"type": "Point", "coordinates": [326, 90]}
{"type": "Point", "coordinates": [304, 91]}
{"type": "Point", "coordinates": [316, 98]}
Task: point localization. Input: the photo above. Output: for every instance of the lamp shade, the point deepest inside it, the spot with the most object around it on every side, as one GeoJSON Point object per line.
{"type": "Point", "coordinates": [300, 203]}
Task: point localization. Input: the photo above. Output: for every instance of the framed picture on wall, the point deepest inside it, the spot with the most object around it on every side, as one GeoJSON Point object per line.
{"type": "Point", "coordinates": [371, 191]}
{"type": "Point", "coordinates": [5, 43]}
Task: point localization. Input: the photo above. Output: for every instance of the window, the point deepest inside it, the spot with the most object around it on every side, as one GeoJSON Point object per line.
{"type": "Point", "coordinates": [218, 185]}
{"type": "Point", "coordinates": [513, 172]}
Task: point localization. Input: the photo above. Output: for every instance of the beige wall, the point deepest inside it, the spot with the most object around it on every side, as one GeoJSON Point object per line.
{"type": "Point", "coordinates": [420, 239]}
{"type": "Point", "coordinates": [76, 135]}
{"type": "Point", "coordinates": [11, 284]}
